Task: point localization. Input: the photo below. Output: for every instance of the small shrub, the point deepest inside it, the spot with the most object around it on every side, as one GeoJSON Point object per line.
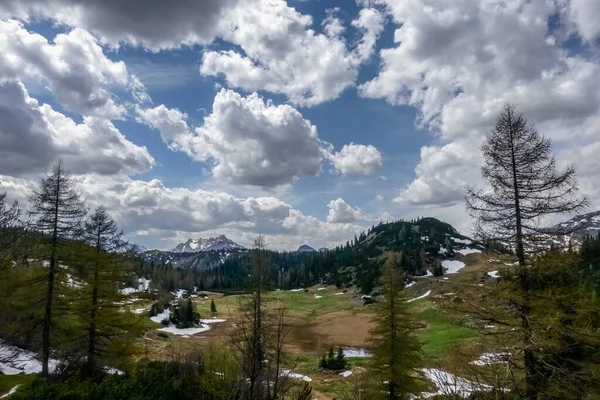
{"type": "Point", "coordinates": [162, 335]}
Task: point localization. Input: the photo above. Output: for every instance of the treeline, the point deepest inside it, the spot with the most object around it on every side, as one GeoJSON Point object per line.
{"type": "Point", "coordinates": [421, 242]}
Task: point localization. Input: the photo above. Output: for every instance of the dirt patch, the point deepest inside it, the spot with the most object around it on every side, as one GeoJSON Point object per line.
{"type": "Point", "coordinates": [341, 328]}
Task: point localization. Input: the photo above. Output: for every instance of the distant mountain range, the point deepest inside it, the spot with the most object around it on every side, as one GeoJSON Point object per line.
{"type": "Point", "coordinates": [219, 243]}
{"type": "Point", "coordinates": [305, 248]}
{"type": "Point", "coordinates": [579, 227]}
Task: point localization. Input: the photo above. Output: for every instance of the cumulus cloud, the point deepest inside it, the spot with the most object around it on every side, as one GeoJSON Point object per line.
{"type": "Point", "coordinates": [282, 54]}
{"type": "Point", "coordinates": [73, 67]}
{"type": "Point", "coordinates": [356, 159]}
{"type": "Point", "coordinates": [251, 141]}
{"type": "Point", "coordinates": [158, 24]}
{"type": "Point", "coordinates": [340, 211]}
{"type": "Point", "coordinates": [33, 136]}
{"type": "Point", "coordinates": [459, 61]}
{"type": "Point", "coordinates": [157, 215]}
{"type": "Point", "coordinates": [585, 14]}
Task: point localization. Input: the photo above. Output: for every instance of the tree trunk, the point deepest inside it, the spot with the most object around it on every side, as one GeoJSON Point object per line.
{"type": "Point", "coordinates": [50, 292]}
{"type": "Point", "coordinates": [525, 307]}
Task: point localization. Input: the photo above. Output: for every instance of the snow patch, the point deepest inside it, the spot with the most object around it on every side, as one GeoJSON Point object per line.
{"type": "Point", "coordinates": [346, 374]}
{"type": "Point", "coordinates": [340, 293]}
{"type": "Point", "coordinates": [318, 297]}
{"type": "Point", "coordinates": [159, 317]}
{"type": "Point", "coordinates": [463, 241]}
{"type": "Point", "coordinates": [420, 297]}
{"type": "Point", "coordinates": [296, 290]}
{"type": "Point", "coordinates": [450, 385]}
{"type": "Point", "coordinates": [452, 266]}
{"type": "Point", "coordinates": [409, 284]}
{"type": "Point", "coordinates": [186, 331]}
{"type": "Point", "coordinates": [18, 361]}
{"type": "Point", "coordinates": [465, 252]}
{"type": "Point", "coordinates": [212, 321]}
{"type": "Point", "coordinates": [494, 274]}
{"type": "Point", "coordinates": [322, 288]}
{"type": "Point", "coordinates": [10, 392]}
{"type": "Point", "coordinates": [289, 374]}
{"type": "Point", "coordinates": [491, 358]}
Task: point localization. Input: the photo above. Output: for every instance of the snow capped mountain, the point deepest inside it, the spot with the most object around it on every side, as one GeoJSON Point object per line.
{"type": "Point", "coordinates": [579, 227]}
{"type": "Point", "coordinates": [218, 243]}
{"type": "Point", "coordinates": [305, 248]}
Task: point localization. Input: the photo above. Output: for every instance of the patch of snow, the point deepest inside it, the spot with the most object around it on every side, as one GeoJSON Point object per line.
{"type": "Point", "coordinates": [465, 252]}
{"type": "Point", "coordinates": [322, 288]}
{"type": "Point", "coordinates": [10, 392]}
{"type": "Point", "coordinates": [409, 284]}
{"type": "Point", "coordinates": [289, 374]}
{"type": "Point", "coordinates": [355, 352]}
{"type": "Point", "coordinates": [420, 297]}
{"type": "Point", "coordinates": [140, 311]}
{"type": "Point", "coordinates": [159, 317]}
{"type": "Point", "coordinates": [511, 264]}
{"type": "Point", "coordinates": [18, 361]}
{"type": "Point", "coordinates": [128, 290]}
{"type": "Point", "coordinates": [212, 321]}
{"type": "Point", "coordinates": [340, 293]}
{"type": "Point", "coordinates": [491, 358]}
{"type": "Point", "coordinates": [463, 241]}
{"type": "Point", "coordinates": [144, 284]}
{"type": "Point", "coordinates": [186, 331]}
{"type": "Point", "coordinates": [493, 260]}
{"type": "Point", "coordinates": [179, 293]}
{"type": "Point", "coordinates": [446, 278]}
{"type": "Point", "coordinates": [452, 266]}
{"type": "Point", "coordinates": [429, 273]}
{"type": "Point", "coordinates": [450, 385]}
{"type": "Point", "coordinates": [317, 296]}
{"type": "Point", "coordinates": [494, 274]}
{"type": "Point", "coordinates": [346, 374]}
{"type": "Point", "coordinates": [296, 290]}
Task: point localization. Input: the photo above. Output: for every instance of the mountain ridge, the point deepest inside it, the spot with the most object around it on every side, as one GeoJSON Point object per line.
{"type": "Point", "coordinates": [218, 243]}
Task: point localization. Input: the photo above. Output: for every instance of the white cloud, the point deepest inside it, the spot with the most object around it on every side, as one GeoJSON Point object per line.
{"type": "Point", "coordinates": [158, 24]}
{"type": "Point", "coordinates": [282, 54]}
{"type": "Point", "coordinates": [459, 61]}
{"type": "Point", "coordinates": [379, 197]}
{"type": "Point", "coordinates": [585, 14]}
{"type": "Point", "coordinates": [340, 211]}
{"type": "Point", "coordinates": [155, 215]}
{"type": "Point", "coordinates": [33, 136]}
{"type": "Point", "coordinates": [73, 67]}
{"type": "Point", "coordinates": [250, 141]}
{"type": "Point", "coordinates": [356, 159]}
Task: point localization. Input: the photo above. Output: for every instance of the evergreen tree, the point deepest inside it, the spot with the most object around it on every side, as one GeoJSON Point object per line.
{"type": "Point", "coordinates": [56, 213]}
{"type": "Point", "coordinates": [396, 349]}
{"type": "Point", "coordinates": [524, 187]}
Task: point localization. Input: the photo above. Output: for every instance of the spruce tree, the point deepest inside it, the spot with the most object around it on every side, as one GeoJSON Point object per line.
{"type": "Point", "coordinates": [56, 213]}
{"type": "Point", "coordinates": [524, 186]}
{"type": "Point", "coordinates": [396, 349]}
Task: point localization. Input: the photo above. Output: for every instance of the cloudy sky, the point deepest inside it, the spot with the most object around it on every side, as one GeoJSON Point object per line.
{"type": "Point", "coordinates": [304, 120]}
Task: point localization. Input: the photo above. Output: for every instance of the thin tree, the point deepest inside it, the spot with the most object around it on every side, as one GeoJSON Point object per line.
{"type": "Point", "coordinates": [9, 222]}
{"type": "Point", "coordinates": [396, 349]}
{"type": "Point", "coordinates": [56, 213]}
{"type": "Point", "coordinates": [105, 273]}
{"type": "Point", "coordinates": [525, 186]}
{"type": "Point", "coordinates": [213, 308]}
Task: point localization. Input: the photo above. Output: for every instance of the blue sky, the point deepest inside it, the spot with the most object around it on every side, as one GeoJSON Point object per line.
{"type": "Point", "coordinates": [306, 121]}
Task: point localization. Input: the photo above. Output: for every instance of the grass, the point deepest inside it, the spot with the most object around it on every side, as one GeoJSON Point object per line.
{"type": "Point", "coordinates": [441, 333]}
{"type": "Point", "coordinates": [8, 382]}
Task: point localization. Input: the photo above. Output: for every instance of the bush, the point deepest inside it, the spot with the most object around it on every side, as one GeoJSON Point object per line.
{"type": "Point", "coordinates": [438, 270]}
{"type": "Point", "coordinates": [162, 335]}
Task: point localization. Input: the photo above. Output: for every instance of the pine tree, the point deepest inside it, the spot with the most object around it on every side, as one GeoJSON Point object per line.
{"type": "Point", "coordinates": [524, 187]}
{"type": "Point", "coordinates": [396, 349]}
{"type": "Point", "coordinates": [9, 223]}
{"type": "Point", "coordinates": [56, 213]}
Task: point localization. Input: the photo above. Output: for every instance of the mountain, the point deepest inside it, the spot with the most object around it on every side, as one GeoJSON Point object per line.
{"type": "Point", "coordinates": [579, 227]}
{"type": "Point", "coordinates": [218, 243]}
{"type": "Point", "coordinates": [322, 249]}
{"type": "Point", "coordinates": [305, 248]}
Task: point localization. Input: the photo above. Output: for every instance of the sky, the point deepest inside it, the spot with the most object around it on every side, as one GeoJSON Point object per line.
{"type": "Point", "coordinates": [305, 121]}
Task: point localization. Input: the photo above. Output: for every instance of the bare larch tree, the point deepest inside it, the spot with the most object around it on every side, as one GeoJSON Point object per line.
{"type": "Point", "coordinates": [525, 186]}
